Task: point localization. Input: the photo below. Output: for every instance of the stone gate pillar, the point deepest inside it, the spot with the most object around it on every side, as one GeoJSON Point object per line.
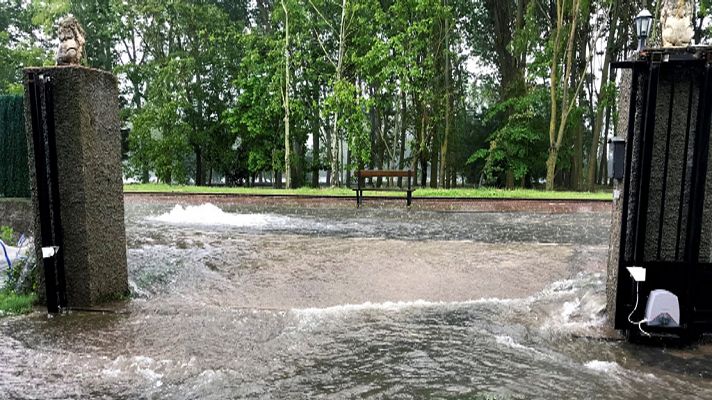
{"type": "Point", "coordinates": [82, 115]}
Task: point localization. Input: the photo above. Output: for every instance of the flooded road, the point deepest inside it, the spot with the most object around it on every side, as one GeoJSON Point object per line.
{"type": "Point", "coordinates": [302, 303]}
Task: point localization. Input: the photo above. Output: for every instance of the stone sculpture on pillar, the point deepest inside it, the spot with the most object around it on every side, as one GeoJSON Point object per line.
{"type": "Point", "coordinates": [676, 23]}
{"type": "Point", "coordinates": [71, 42]}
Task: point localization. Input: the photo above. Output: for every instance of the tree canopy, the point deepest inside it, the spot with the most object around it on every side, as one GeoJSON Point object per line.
{"type": "Point", "coordinates": [475, 92]}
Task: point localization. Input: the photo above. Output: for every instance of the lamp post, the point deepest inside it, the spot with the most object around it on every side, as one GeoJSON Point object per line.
{"type": "Point", "coordinates": [643, 23]}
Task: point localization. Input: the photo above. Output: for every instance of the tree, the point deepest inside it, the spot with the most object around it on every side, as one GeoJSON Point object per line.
{"type": "Point", "coordinates": [559, 84]}
{"type": "Point", "coordinates": [605, 92]}
{"type": "Point", "coordinates": [285, 94]}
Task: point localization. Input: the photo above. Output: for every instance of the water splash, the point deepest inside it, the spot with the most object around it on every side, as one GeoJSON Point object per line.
{"type": "Point", "coordinates": [210, 214]}
{"type": "Point", "coordinates": [607, 367]}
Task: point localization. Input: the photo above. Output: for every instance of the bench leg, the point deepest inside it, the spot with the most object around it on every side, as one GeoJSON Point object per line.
{"type": "Point", "coordinates": [409, 198]}
{"type": "Point", "coordinates": [358, 198]}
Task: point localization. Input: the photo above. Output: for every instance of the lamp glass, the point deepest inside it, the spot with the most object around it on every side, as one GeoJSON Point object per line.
{"type": "Point", "coordinates": [646, 22]}
{"type": "Point", "coordinates": [643, 21]}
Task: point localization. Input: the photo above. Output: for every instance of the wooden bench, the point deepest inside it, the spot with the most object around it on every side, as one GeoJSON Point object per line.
{"type": "Point", "coordinates": [361, 175]}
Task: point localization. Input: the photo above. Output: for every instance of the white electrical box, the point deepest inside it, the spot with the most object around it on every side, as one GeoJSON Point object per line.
{"type": "Point", "coordinates": [663, 309]}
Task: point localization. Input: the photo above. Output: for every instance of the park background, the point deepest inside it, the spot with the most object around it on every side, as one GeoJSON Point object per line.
{"type": "Point", "coordinates": [475, 93]}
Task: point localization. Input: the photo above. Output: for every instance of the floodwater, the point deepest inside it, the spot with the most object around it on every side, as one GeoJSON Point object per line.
{"type": "Point", "coordinates": [303, 303]}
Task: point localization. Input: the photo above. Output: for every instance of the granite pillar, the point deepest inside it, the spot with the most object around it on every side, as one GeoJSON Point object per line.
{"type": "Point", "coordinates": [90, 186]}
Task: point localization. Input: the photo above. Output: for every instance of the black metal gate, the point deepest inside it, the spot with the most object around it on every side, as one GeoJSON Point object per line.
{"type": "Point", "coordinates": [666, 217]}
{"type": "Point", "coordinates": [665, 224]}
{"type": "Point", "coordinates": [47, 187]}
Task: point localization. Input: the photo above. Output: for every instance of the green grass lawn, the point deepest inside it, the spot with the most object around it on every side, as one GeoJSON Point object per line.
{"type": "Point", "coordinates": [11, 303]}
{"type": "Point", "coordinates": [485, 193]}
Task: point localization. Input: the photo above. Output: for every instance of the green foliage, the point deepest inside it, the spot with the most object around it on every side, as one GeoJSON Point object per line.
{"type": "Point", "coordinates": [180, 87]}
{"type": "Point", "coordinates": [519, 144]}
{"type": "Point", "coordinates": [352, 120]}
{"type": "Point", "coordinates": [20, 44]}
{"type": "Point", "coordinates": [255, 121]}
{"type": "Point", "coordinates": [384, 84]}
{"type": "Point", "coordinates": [7, 235]}
{"type": "Point", "coordinates": [609, 94]}
{"type": "Point", "coordinates": [14, 172]}
{"type": "Point", "coordinates": [22, 277]}
{"type": "Point", "coordinates": [11, 303]}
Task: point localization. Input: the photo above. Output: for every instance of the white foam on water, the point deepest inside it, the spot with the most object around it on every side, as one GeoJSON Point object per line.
{"type": "Point", "coordinates": [569, 308]}
{"type": "Point", "coordinates": [603, 366]}
{"type": "Point", "coordinates": [582, 315]}
{"type": "Point", "coordinates": [396, 306]}
{"type": "Point", "coordinates": [137, 291]}
{"type": "Point", "coordinates": [142, 366]}
{"type": "Point", "coordinates": [555, 290]}
{"type": "Point", "coordinates": [509, 342]}
{"type": "Point", "coordinates": [210, 214]}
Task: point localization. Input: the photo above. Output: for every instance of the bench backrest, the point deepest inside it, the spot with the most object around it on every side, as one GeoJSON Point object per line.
{"type": "Point", "coordinates": [371, 173]}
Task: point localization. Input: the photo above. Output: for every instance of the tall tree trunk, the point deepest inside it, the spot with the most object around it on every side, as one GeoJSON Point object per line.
{"type": "Point", "coordinates": [373, 136]}
{"type": "Point", "coordinates": [434, 163]}
{"type": "Point", "coordinates": [199, 173]}
{"type": "Point", "coordinates": [336, 140]}
{"type": "Point", "coordinates": [329, 152]}
{"type": "Point", "coordinates": [297, 168]}
{"type": "Point", "coordinates": [556, 136]}
{"type": "Point", "coordinates": [287, 141]}
{"type": "Point", "coordinates": [316, 165]}
{"type": "Point", "coordinates": [603, 170]}
{"type": "Point", "coordinates": [380, 149]}
{"type": "Point", "coordinates": [577, 170]}
{"type": "Point", "coordinates": [423, 148]}
{"type": "Point", "coordinates": [600, 107]}
{"type": "Point", "coordinates": [446, 134]}
{"type": "Point", "coordinates": [403, 129]}
{"type": "Point", "coordinates": [347, 180]}
{"type": "Point", "coordinates": [553, 83]}
{"type": "Point", "coordinates": [277, 182]}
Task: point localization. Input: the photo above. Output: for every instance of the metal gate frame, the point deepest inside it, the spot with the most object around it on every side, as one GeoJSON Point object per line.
{"type": "Point", "coordinates": [685, 277]}
{"type": "Point", "coordinates": [41, 99]}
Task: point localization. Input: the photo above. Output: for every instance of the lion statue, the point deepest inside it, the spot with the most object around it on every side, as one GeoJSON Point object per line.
{"type": "Point", "coordinates": [676, 23]}
{"type": "Point", "coordinates": [71, 42]}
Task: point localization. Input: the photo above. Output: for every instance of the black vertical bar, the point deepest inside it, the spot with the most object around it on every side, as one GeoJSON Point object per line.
{"type": "Point", "coordinates": [627, 181]}
{"type": "Point", "coordinates": [43, 196]}
{"type": "Point", "coordinates": [358, 188]}
{"type": "Point", "coordinates": [697, 193]}
{"type": "Point", "coordinates": [637, 141]}
{"type": "Point", "coordinates": [663, 193]}
{"type": "Point", "coordinates": [54, 193]}
{"type": "Point", "coordinates": [698, 173]}
{"type": "Point", "coordinates": [646, 161]}
{"type": "Point", "coordinates": [683, 182]}
{"type": "Point", "coordinates": [410, 191]}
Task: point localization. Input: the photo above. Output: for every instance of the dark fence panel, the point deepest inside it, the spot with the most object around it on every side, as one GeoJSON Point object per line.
{"type": "Point", "coordinates": [14, 174]}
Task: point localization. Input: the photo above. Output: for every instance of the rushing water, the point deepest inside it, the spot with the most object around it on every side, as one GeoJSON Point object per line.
{"type": "Point", "coordinates": [276, 302]}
